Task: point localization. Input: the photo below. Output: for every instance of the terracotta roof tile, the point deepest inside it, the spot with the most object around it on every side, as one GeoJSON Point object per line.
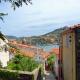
{"type": "Point", "coordinates": [45, 55]}
{"type": "Point", "coordinates": [31, 51]}
{"type": "Point", "coordinates": [27, 53]}
{"type": "Point", "coordinates": [55, 50]}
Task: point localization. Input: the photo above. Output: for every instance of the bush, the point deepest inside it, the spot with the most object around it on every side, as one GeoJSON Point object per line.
{"type": "Point", "coordinates": [6, 75]}
{"type": "Point", "coordinates": [20, 62]}
{"type": "Point", "coordinates": [51, 60]}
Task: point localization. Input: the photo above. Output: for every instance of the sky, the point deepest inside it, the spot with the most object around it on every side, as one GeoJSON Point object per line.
{"type": "Point", "coordinates": [41, 17]}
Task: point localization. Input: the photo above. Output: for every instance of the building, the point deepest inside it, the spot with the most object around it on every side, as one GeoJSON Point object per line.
{"type": "Point", "coordinates": [55, 51]}
{"type": "Point", "coordinates": [70, 54]}
{"type": "Point", "coordinates": [4, 53]}
{"type": "Point", "coordinates": [13, 41]}
{"type": "Point", "coordinates": [34, 52]}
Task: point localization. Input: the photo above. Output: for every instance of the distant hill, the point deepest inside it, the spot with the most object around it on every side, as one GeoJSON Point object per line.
{"type": "Point", "coordinates": [11, 37]}
{"type": "Point", "coordinates": [56, 33]}
{"type": "Point", "coordinates": [49, 38]}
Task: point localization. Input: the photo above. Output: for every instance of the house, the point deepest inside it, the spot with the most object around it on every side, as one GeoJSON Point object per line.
{"type": "Point", "coordinates": [27, 53]}
{"type": "Point", "coordinates": [70, 53]}
{"type": "Point", "coordinates": [41, 56]}
{"type": "Point", "coordinates": [55, 51]}
{"type": "Point", "coordinates": [37, 54]}
{"type": "Point", "coordinates": [4, 53]}
{"type": "Point", "coordinates": [13, 41]}
{"type": "Point", "coordinates": [31, 51]}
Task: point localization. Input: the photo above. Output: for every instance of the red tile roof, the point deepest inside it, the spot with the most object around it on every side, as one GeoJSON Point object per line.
{"type": "Point", "coordinates": [55, 51]}
{"type": "Point", "coordinates": [45, 55]}
{"type": "Point", "coordinates": [27, 53]}
{"type": "Point", "coordinates": [31, 51]}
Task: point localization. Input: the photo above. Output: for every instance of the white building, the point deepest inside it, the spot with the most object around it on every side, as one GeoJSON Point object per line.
{"type": "Point", "coordinates": [4, 53]}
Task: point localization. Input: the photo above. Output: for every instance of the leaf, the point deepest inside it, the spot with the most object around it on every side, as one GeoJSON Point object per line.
{"type": "Point", "coordinates": [24, 1]}
{"type": "Point", "coordinates": [29, 1]}
{"type": "Point", "coordinates": [2, 14]}
{"type": "Point", "coordinates": [1, 18]}
{"type": "Point", "coordinates": [17, 4]}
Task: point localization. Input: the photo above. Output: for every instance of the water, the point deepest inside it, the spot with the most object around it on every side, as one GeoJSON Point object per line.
{"type": "Point", "coordinates": [48, 47]}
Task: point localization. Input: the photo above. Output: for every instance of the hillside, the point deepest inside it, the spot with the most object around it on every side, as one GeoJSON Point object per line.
{"type": "Point", "coordinates": [56, 33]}
{"type": "Point", "coordinates": [11, 37]}
{"type": "Point", "coordinates": [49, 38]}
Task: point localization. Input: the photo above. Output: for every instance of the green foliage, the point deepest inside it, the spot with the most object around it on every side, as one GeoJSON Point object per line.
{"type": "Point", "coordinates": [17, 3]}
{"type": "Point", "coordinates": [2, 15]}
{"type": "Point", "coordinates": [51, 59]}
{"type": "Point", "coordinates": [6, 75]}
{"type": "Point", "coordinates": [23, 63]}
{"type": "Point", "coordinates": [14, 3]}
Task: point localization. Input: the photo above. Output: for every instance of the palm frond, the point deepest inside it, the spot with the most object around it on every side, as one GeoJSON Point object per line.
{"type": "Point", "coordinates": [17, 3]}
{"type": "Point", "coordinates": [1, 16]}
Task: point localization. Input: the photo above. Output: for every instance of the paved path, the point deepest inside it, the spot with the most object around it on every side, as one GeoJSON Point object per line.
{"type": "Point", "coordinates": [49, 76]}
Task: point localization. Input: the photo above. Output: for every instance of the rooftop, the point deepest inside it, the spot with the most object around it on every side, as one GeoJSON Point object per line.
{"type": "Point", "coordinates": [55, 51]}
{"type": "Point", "coordinates": [31, 51]}
{"type": "Point", "coordinates": [71, 29]}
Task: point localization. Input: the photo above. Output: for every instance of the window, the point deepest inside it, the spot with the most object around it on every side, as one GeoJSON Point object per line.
{"type": "Point", "coordinates": [68, 40]}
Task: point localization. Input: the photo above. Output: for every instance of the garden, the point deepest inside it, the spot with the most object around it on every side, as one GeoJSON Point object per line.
{"type": "Point", "coordinates": [19, 67]}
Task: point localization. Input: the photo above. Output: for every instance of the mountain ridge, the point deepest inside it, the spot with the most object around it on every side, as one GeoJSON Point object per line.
{"type": "Point", "coordinates": [48, 38]}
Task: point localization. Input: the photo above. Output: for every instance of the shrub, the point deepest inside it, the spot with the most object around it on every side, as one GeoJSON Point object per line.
{"type": "Point", "coordinates": [51, 60]}
{"type": "Point", "coordinates": [6, 75]}
{"type": "Point", "coordinates": [20, 62]}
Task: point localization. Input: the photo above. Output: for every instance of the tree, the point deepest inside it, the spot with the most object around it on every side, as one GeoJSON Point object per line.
{"type": "Point", "coordinates": [17, 3]}
{"type": "Point", "coordinates": [2, 15]}
{"type": "Point", "coordinates": [14, 3]}
{"type": "Point", "coordinates": [51, 60]}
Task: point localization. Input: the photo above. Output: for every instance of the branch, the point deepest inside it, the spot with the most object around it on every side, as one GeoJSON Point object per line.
{"type": "Point", "coordinates": [17, 3]}
{"type": "Point", "coordinates": [1, 16]}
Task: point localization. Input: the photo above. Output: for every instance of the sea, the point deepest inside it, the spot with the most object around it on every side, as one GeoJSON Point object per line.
{"type": "Point", "coordinates": [48, 47]}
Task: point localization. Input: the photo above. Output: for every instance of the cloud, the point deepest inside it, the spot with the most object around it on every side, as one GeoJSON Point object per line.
{"type": "Point", "coordinates": [30, 19]}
